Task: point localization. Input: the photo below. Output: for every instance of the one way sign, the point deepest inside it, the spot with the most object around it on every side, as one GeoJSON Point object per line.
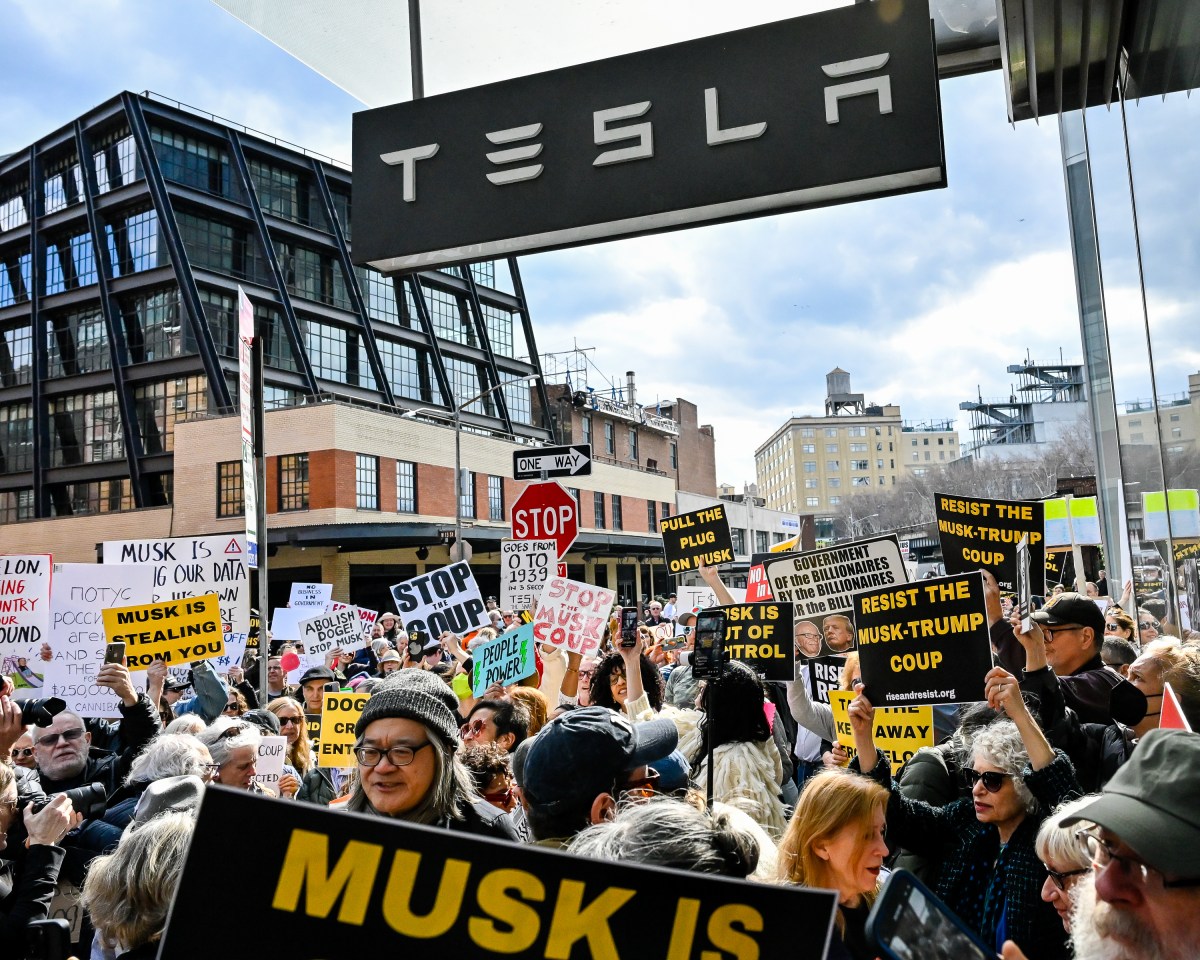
{"type": "Point", "coordinates": [571, 461]}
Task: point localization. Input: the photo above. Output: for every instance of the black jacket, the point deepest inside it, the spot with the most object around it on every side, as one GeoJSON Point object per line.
{"type": "Point", "coordinates": [26, 889]}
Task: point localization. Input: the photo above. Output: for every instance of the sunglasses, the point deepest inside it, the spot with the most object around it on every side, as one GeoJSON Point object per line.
{"type": "Point", "coordinates": [993, 780]}
{"type": "Point", "coordinates": [1147, 624]}
{"type": "Point", "coordinates": [231, 706]}
{"type": "Point", "coordinates": [20, 753]}
{"type": "Point", "coordinates": [1060, 879]}
{"type": "Point", "coordinates": [472, 729]}
{"type": "Point", "coordinates": [289, 722]}
{"type": "Point", "coordinates": [51, 739]}
{"type": "Point", "coordinates": [1110, 627]}
{"type": "Point", "coordinates": [643, 788]}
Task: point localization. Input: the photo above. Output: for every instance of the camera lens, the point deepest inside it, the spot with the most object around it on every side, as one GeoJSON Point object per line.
{"type": "Point", "coordinates": [42, 711]}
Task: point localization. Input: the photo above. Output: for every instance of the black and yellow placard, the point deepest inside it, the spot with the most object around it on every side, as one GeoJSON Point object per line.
{"type": "Point", "coordinates": [983, 534]}
{"type": "Point", "coordinates": [701, 536]}
{"type": "Point", "coordinates": [760, 636]}
{"type": "Point", "coordinates": [899, 731]}
{"type": "Point", "coordinates": [339, 714]}
{"type": "Point", "coordinates": [924, 643]}
{"type": "Point", "coordinates": [327, 883]}
{"type": "Point", "coordinates": [312, 726]}
{"type": "Point", "coordinates": [175, 631]}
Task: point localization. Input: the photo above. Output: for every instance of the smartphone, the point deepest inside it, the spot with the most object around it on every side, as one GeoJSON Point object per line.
{"type": "Point", "coordinates": [115, 652]}
{"type": "Point", "coordinates": [629, 626]}
{"type": "Point", "coordinates": [908, 922]}
{"type": "Point", "coordinates": [709, 650]}
{"type": "Point", "coordinates": [48, 939]}
{"type": "Point", "coordinates": [332, 687]}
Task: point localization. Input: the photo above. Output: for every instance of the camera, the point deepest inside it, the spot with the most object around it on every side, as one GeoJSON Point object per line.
{"type": "Point", "coordinates": [629, 626]}
{"type": "Point", "coordinates": [417, 641]}
{"type": "Point", "coordinates": [708, 653]}
{"type": "Point", "coordinates": [42, 711]}
{"type": "Point", "coordinates": [90, 800]}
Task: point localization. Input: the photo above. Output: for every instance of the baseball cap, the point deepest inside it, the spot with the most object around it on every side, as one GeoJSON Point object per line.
{"type": "Point", "coordinates": [316, 673]}
{"type": "Point", "coordinates": [1150, 802]}
{"type": "Point", "coordinates": [578, 756]}
{"type": "Point", "coordinates": [686, 618]}
{"type": "Point", "coordinates": [1073, 608]}
{"type": "Point", "coordinates": [176, 684]}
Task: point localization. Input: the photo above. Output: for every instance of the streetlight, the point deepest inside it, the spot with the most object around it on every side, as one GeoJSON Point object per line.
{"type": "Point", "coordinates": [458, 472]}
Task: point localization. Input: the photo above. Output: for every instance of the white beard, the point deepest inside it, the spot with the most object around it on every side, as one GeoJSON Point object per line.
{"type": "Point", "coordinates": [1094, 924]}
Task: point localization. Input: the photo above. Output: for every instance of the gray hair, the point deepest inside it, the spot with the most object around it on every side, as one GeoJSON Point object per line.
{"type": "Point", "coordinates": [220, 743]}
{"type": "Point", "coordinates": [168, 755]}
{"type": "Point", "coordinates": [670, 833]}
{"type": "Point", "coordinates": [451, 790]}
{"type": "Point", "coordinates": [1057, 843]}
{"type": "Point", "coordinates": [128, 892]}
{"type": "Point", "coordinates": [1000, 744]}
{"type": "Point", "coordinates": [188, 723]}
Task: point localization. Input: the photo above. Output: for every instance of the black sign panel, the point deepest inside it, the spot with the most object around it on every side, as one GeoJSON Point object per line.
{"type": "Point", "coordinates": [572, 461]}
{"type": "Point", "coordinates": [924, 643]}
{"type": "Point", "coordinates": [976, 533]}
{"type": "Point", "coordinates": [323, 883]}
{"type": "Point", "coordinates": [701, 536]}
{"type": "Point", "coordinates": [800, 113]}
{"type": "Point", "coordinates": [759, 635]}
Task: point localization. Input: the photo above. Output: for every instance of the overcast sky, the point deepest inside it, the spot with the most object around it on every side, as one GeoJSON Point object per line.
{"type": "Point", "coordinates": [925, 298]}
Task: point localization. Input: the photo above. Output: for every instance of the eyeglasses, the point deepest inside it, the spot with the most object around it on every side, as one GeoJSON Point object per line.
{"type": "Point", "coordinates": [1051, 633]}
{"type": "Point", "coordinates": [1060, 879]}
{"type": "Point", "coordinates": [398, 756]}
{"type": "Point", "coordinates": [1103, 852]}
{"type": "Point", "coordinates": [993, 780]}
{"type": "Point", "coordinates": [234, 730]}
{"type": "Point", "coordinates": [51, 739]}
{"type": "Point", "coordinates": [586, 674]}
{"type": "Point", "coordinates": [643, 788]}
{"type": "Point", "coordinates": [808, 636]}
{"type": "Point", "coordinates": [1148, 624]}
{"type": "Point", "coordinates": [231, 706]}
{"type": "Point", "coordinates": [472, 729]}
{"type": "Point", "coordinates": [289, 722]}
{"type": "Point", "coordinates": [20, 753]}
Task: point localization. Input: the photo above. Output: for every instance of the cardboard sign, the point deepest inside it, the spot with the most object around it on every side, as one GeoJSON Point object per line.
{"type": "Point", "coordinates": [322, 633]}
{"type": "Point", "coordinates": [335, 882]}
{"type": "Point", "coordinates": [505, 660]}
{"type": "Point", "coordinates": [285, 623]}
{"type": "Point", "coordinates": [446, 599]}
{"type": "Point", "coordinates": [925, 643]}
{"type": "Point", "coordinates": [1183, 506]}
{"type": "Point", "coordinates": [701, 536]}
{"type": "Point", "coordinates": [757, 634]}
{"type": "Point", "coordinates": [311, 595]}
{"type": "Point", "coordinates": [339, 714]}
{"type": "Point", "coordinates": [366, 623]}
{"type": "Point", "coordinates": [192, 567]}
{"type": "Point", "coordinates": [573, 615]}
{"type": "Point", "coordinates": [24, 606]}
{"type": "Point", "coordinates": [525, 566]}
{"type": "Point", "coordinates": [268, 768]}
{"type": "Point", "coordinates": [80, 593]}
{"type": "Point", "coordinates": [824, 676]}
{"type": "Point", "coordinates": [984, 534]}
{"type": "Point", "coordinates": [701, 597]}
{"type": "Point", "coordinates": [758, 588]}
{"type": "Point", "coordinates": [176, 631]}
{"type": "Point", "coordinates": [1024, 586]}
{"type": "Point", "coordinates": [899, 731]}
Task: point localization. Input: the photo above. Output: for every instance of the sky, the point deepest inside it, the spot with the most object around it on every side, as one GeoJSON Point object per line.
{"type": "Point", "coordinates": [925, 299]}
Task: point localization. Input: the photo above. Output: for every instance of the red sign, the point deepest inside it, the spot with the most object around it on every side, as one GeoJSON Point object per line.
{"type": "Point", "coordinates": [545, 511]}
{"type": "Point", "coordinates": [758, 588]}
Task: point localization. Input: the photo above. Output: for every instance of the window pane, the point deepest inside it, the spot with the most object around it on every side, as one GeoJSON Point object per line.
{"type": "Point", "coordinates": [366, 482]}
{"type": "Point", "coordinates": [229, 489]}
{"type": "Point", "coordinates": [406, 487]}
{"type": "Point", "coordinates": [293, 482]}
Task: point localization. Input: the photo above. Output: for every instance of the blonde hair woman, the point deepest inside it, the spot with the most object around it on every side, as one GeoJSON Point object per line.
{"type": "Point", "coordinates": [299, 750]}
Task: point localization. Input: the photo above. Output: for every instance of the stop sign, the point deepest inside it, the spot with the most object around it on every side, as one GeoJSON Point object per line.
{"type": "Point", "coordinates": [545, 511]}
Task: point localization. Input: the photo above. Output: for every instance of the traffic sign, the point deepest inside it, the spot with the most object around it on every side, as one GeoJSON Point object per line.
{"type": "Point", "coordinates": [573, 461]}
{"type": "Point", "coordinates": [545, 511]}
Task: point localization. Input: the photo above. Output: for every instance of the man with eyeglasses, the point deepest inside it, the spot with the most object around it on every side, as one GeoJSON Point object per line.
{"type": "Point", "coordinates": [1145, 851]}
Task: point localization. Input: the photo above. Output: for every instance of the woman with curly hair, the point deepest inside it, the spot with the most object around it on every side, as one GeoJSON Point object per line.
{"type": "Point", "coordinates": [627, 680]}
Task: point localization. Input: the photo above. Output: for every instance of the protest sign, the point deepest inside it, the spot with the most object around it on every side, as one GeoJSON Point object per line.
{"type": "Point", "coordinates": [337, 881]}
{"type": "Point", "coordinates": [285, 622]}
{"type": "Point", "coordinates": [1173, 717]}
{"type": "Point", "coordinates": [701, 597]}
{"type": "Point", "coordinates": [1072, 521]}
{"type": "Point", "coordinates": [701, 536]}
{"type": "Point", "coordinates": [926, 643]}
{"type": "Point", "coordinates": [759, 635]}
{"type": "Point", "coordinates": [899, 731]}
{"type": "Point", "coordinates": [312, 726]}
{"type": "Point", "coordinates": [1175, 513]}
{"type": "Point", "coordinates": [758, 588]}
{"type": "Point", "coordinates": [79, 593]}
{"type": "Point", "coordinates": [268, 768]}
{"type": "Point", "coordinates": [322, 633]}
{"type": "Point", "coordinates": [24, 606]}
{"type": "Point", "coordinates": [366, 623]}
{"type": "Point", "coordinates": [311, 595]}
{"type": "Point", "coordinates": [339, 714]}
{"type": "Point", "coordinates": [505, 660]}
{"type": "Point", "coordinates": [821, 586]}
{"type": "Point", "coordinates": [573, 615]}
{"type": "Point", "coordinates": [175, 631]}
{"type": "Point", "coordinates": [193, 566]}
{"type": "Point", "coordinates": [977, 533]}
{"type": "Point", "coordinates": [446, 599]}
{"type": "Point", "coordinates": [824, 675]}
{"type": "Point", "coordinates": [1024, 587]}
{"type": "Point", "coordinates": [525, 566]}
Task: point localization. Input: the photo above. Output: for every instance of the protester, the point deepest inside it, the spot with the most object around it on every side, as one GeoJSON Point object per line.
{"type": "Point", "coordinates": [188, 723]}
{"type": "Point", "coordinates": [1066, 864]}
{"type": "Point", "coordinates": [276, 679]}
{"type": "Point", "coordinates": [390, 662]}
{"type": "Point", "coordinates": [236, 705]}
{"type": "Point", "coordinates": [211, 693]}
{"type": "Point", "coordinates": [627, 680]}
{"type": "Point", "coordinates": [503, 722]}
{"type": "Point", "coordinates": [312, 688]}
{"type": "Point", "coordinates": [682, 686]}
{"type": "Point", "coordinates": [1118, 654]}
{"type": "Point", "coordinates": [491, 772]}
{"type": "Point", "coordinates": [234, 748]}
{"type": "Point", "coordinates": [293, 727]}
{"type": "Point", "coordinates": [168, 755]}
{"type": "Point", "coordinates": [654, 614]}
{"type": "Point", "coordinates": [835, 840]}
{"type": "Point", "coordinates": [1119, 624]}
{"type": "Point", "coordinates": [22, 752]}
{"type": "Point", "coordinates": [535, 705]}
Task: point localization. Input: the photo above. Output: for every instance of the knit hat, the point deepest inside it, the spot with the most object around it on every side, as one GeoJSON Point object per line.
{"type": "Point", "coordinates": [413, 695]}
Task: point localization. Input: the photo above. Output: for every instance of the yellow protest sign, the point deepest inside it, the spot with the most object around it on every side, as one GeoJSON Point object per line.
{"type": "Point", "coordinates": [175, 631]}
{"type": "Point", "coordinates": [899, 731]}
{"type": "Point", "coordinates": [339, 714]}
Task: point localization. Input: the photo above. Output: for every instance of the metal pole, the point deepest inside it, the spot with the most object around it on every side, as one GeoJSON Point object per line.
{"type": "Point", "coordinates": [414, 49]}
{"type": "Point", "coordinates": [257, 354]}
{"type": "Point", "coordinates": [710, 702]}
{"type": "Point", "coordinates": [458, 485]}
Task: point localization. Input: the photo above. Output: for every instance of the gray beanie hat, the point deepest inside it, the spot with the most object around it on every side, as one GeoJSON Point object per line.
{"type": "Point", "coordinates": [413, 695]}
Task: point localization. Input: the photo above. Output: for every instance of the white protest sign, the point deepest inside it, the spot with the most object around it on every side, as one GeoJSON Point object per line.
{"type": "Point", "coordinates": [322, 633]}
{"type": "Point", "coordinates": [192, 567]}
{"type": "Point", "coordinates": [80, 592]}
{"type": "Point", "coordinates": [24, 606]}
{"type": "Point", "coordinates": [702, 597]}
{"type": "Point", "coordinates": [311, 595]}
{"type": "Point", "coordinates": [268, 768]}
{"type": "Point", "coordinates": [525, 566]}
{"type": "Point", "coordinates": [572, 614]}
{"type": "Point", "coordinates": [366, 622]}
{"type": "Point", "coordinates": [446, 599]}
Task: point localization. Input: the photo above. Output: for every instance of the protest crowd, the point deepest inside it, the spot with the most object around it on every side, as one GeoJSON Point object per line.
{"type": "Point", "coordinates": [1051, 799]}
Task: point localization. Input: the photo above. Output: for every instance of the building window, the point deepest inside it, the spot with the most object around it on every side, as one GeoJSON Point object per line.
{"type": "Point", "coordinates": [133, 244]}
{"type": "Point", "coordinates": [810, 483]}
{"type": "Point", "coordinates": [618, 518]}
{"type": "Point", "coordinates": [652, 516]}
{"type": "Point", "coordinates": [860, 464]}
{"type": "Point", "coordinates": [284, 193]}
{"type": "Point", "coordinates": [574, 492]}
{"type": "Point", "coordinates": [406, 487]}
{"type": "Point", "coordinates": [633, 443]}
{"type": "Point", "coordinates": [807, 432]}
{"type": "Point", "coordinates": [924, 441]}
{"type": "Point", "coordinates": [861, 447]}
{"type": "Point", "coordinates": [598, 506]}
{"type": "Point", "coordinates": [833, 465]}
{"type": "Point", "coordinates": [739, 540]}
{"type": "Point", "coordinates": [585, 425]}
{"type": "Point", "coordinates": [834, 481]}
{"type": "Point", "coordinates": [674, 455]}
{"type": "Point", "coordinates": [860, 481]}
{"type": "Point", "coordinates": [313, 275]}
{"type": "Point", "coordinates": [85, 428]}
{"type": "Point", "coordinates": [366, 482]}
{"type": "Point", "coordinates": [293, 482]}
{"type": "Point", "coordinates": [926, 454]}
{"type": "Point", "coordinates": [16, 505]}
{"type": "Point", "coordinates": [192, 162]}
{"type": "Point", "coordinates": [229, 489]}
{"type": "Point", "coordinates": [835, 501]}
{"type": "Point", "coordinates": [810, 466]}
{"type": "Point", "coordinates": [70, 263]}
{"type": "Point", "coordinates": [495, 498]}
{"type": "Point", "coordinates": [812, 501]}
{"type": "Point", "coordinates": [831, 431]}
{"type": "Point", "coordinates": [466, 496]}
{"type": "Point", "coordinates": [856, 432]}
{"type": "Point", "coordinates": [666, 510]}
{"type": "Point", "coordinates": [610, 438]}
{"type": "Point", "coordinates": [761, 545]}
{"type": "Point", "coordinates": [831, 448]}
{"type": "Point", "coordinates": [808, 448]}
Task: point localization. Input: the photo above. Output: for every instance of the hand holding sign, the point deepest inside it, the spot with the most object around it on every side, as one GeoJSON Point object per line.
{"type": "Point", "coordinates": [862, 722]}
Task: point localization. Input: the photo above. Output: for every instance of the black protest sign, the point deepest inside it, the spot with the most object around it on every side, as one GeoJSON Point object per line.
{"type": "Point", "coordinates": [446, 599]}
{"type": "Point", "coordinates": [977, 534]}
{"type": "Point", "coordinates": [925, 643]}
{"type": "Point", "coordinates": [757, 635]}
{"type": "Point", "coordinates": [824, 674]}
{"type": "Point", "coordinates": [334, 884]}
{"type": "Point", "coordinates": [701, 536]}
